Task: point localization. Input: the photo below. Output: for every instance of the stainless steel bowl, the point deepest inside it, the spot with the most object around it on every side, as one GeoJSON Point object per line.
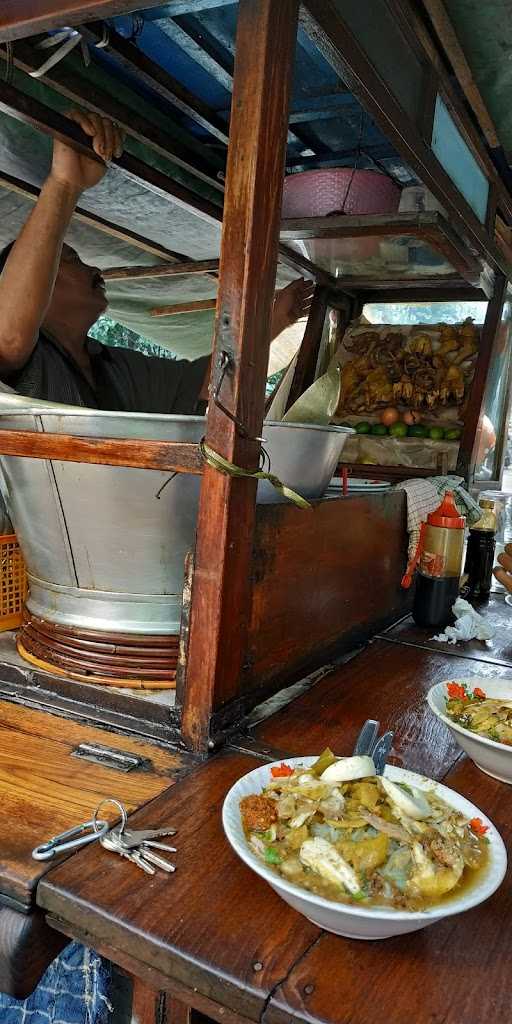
{"type": "Point", "coordinates": [105, 545]}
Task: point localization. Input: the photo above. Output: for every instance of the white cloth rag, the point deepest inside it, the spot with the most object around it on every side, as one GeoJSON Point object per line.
{"type": "Point", "coordinates": [424, 495]}
{"type": "Point", "coordinates": [469, 625]}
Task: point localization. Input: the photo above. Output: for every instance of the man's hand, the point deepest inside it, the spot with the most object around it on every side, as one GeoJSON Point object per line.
{"type": "Point", "coordinates": [504, 574]}
{"type": "Point", "coordinates": [291, 304]}
{"type": "Point", "coordinates": [78, 172]}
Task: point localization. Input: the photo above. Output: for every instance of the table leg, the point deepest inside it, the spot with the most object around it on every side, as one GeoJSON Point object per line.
{"type": "Point", "coordinates": [153, 1007]}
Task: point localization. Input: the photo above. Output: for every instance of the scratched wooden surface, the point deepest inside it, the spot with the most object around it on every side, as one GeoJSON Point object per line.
{"type": "Point", "coordinates": [214, 925]}
{"type": "Point", "coordinates": [44, 790]}
{"type": "Point", "coordinates": [496, 651]}
{"type": "Point", "coordinates": [222, 933]}
{"type": "Point", "coordinates": [450, 973]}
{"type": "Point", "coordinates": [388, 682]}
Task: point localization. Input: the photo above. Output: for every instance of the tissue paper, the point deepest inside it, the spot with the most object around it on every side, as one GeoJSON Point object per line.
{"type": "Point", "coordinates": [469, 625]}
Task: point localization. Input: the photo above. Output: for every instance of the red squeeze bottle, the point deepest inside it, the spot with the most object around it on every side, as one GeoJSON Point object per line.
{"type": "Point", "coordinates": [440, 565]}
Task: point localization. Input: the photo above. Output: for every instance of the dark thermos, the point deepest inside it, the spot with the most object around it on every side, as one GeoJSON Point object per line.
{"type": "Point", "coordinates": [480, 552]}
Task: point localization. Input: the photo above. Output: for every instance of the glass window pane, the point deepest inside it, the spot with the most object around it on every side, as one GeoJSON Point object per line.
{"type": "Point", "coordinates": [424, 312]}
{"type": "Point", "coordinates": [384, 258]}
{"type": "Point", "coordinates": [492, 425]}
{"type": "Point", "coordinates": [458, 161]}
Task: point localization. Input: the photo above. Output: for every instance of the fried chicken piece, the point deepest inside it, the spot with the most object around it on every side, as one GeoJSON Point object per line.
{"type": "Point", "coordinates": [258, 813]}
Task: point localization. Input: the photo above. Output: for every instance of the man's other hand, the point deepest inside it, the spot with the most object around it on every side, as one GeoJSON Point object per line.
{"type": "Point", "coordinates": [291, 304]}
{"type": "Point", "coordinates": [79, 172]}
{"type": "Point", "coordinates": [503, 572]}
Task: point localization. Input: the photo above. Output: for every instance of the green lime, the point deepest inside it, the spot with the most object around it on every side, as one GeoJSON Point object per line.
{"type": "Point", "coordinates": [379, 429]}
{"type": "Point", "coordinates": [363, 428]}
{"type": "Point", "coordinates": [417, 430]}
{"type": "Point", "coordinates": [453, 434]}
{"type": "Point", "coordinates": [398, 429]}
{"type": "Point", "coordinates": [436, 433]}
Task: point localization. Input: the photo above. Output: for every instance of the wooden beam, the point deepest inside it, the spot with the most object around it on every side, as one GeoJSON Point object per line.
{"type": "Point", "coordinates": [184, 307]}
{"type": "Point", "coordinates": [307, 356]}
{"type": "Point", "coordinates": [322, 21]}
{"type": "Point", "coordinates": [172, 456]}
{"type": "Point", "coordinates": [474, 409]}
{"type": "Point", "coordinates": [414, 26]}
{"type": "Point", "coordinates": [23, 188]}
{"type": "Point", "coordinates": [219, 614]}
{"type": "Point", "coordinates": [83, 92]}
{"type": "Point", "coordinates": [20, 18]}
{"type": "Point", "coordinates": [159, 80]}
{"type": "Point", "coordinates": [30, 111]}
{"type": "Point", "coordinates": [216, 58]}
{"type": "Point", "coordinates": [161, 270]}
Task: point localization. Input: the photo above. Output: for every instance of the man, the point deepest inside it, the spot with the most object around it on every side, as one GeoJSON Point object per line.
{"type": "Point", "coordinates": [504, 574]}
{"type": "Point", "coordinates": [49, 300]}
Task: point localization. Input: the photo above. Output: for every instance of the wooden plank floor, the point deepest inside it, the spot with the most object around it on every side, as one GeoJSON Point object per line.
{"type": "Point", "coordinates": [44, 790]}
{"type": "Point", "coordinates": [216, 931]}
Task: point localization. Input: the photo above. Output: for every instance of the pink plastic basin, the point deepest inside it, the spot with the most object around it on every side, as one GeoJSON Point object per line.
{"type": "Point", "coordinates": [339, 190]}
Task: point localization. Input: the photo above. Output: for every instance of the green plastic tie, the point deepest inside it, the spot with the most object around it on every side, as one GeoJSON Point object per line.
{"type": "Point", "coordinates": [229, 469]}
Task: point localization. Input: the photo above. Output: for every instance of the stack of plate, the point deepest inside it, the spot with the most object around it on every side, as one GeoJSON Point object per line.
{"type": "Point", "coordinates": [356, 485]}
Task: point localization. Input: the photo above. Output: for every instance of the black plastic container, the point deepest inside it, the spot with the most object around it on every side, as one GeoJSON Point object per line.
{"type": "Point", "coordinates": [434, 598]}
{"type": "Point", "coordinates": [479, 563]}
{"type": "Point", "coordinates": [480, 553]}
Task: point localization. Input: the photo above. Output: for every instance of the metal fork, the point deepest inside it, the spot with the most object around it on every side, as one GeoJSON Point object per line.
{"type": "Point", "coordinates": [368, 743]}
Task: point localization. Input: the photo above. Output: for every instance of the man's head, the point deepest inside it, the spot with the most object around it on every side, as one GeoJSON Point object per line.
{"type": "Point", "coordinates": [78, 297]}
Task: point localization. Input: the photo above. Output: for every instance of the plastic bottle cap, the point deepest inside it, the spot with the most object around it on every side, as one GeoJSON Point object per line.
{"type": "Point", "coordinates": [447, 514]}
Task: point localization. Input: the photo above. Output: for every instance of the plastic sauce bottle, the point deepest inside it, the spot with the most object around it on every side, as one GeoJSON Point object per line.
{"type": "Point", "coordinates": [480, 552]}
{"type": "Point", "coordinates": [440, 565]}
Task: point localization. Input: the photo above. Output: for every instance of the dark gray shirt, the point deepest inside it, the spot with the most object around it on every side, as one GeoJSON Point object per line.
{"type": "Point", "coordinates": [125, 381]}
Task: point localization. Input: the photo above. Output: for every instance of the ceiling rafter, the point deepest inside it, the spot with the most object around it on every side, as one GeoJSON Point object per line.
{"type": "Point", "coordinates": [135, 62]}
{"type": "Point", "coordinates": [63, 80]}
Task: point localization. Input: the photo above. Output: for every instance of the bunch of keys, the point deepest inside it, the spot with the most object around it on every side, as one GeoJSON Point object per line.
{"type": "Point", "coordinates": [137, 845]}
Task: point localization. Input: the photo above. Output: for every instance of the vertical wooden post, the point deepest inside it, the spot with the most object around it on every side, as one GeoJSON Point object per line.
{"type": "Point", "coordinates": [308, 353]}
{"type": "Point", "coordinates": [465, 462]}
{"type": "Point", "coordinates": [265, 49]}
{"type": "Point", "coordinates": [148, 1005]}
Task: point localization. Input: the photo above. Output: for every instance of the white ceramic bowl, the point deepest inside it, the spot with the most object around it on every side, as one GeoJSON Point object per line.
{"type": "Point", "coordinates": [356, 922]}
{"type": "Point", "coordinates": [492, 758]}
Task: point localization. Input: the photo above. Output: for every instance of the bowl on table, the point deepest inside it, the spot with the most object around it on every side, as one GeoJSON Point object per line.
{"type": "Point", "coordinates": [491, 757]}
{"type": "Point", "coordinates": [356, 921]}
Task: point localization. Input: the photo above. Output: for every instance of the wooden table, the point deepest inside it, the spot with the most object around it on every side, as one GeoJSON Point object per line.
{"type": "Point", "coordinates": [45, 789]}
{"type": "Point", "coordinates": [221, 941]}
{"type": "Point", "coordinates": [497, 651]}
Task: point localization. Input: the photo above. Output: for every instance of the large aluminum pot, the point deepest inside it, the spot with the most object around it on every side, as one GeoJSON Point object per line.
{"type": "Point", "coordinates": [105, 545]}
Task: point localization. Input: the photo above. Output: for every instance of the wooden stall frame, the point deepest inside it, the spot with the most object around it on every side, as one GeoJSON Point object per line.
{"type": "Point", "coordinates": [254, 181]}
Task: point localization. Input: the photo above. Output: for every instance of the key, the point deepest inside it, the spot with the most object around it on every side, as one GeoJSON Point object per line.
{"type": "Point", "coordinates": [112, 843]}
{"type": "Point", "coordinates": [160, 862]}
{"type": "Point", "coordinates": [134, 837]}
{"type": "Point", "coordinates": [157, 846]}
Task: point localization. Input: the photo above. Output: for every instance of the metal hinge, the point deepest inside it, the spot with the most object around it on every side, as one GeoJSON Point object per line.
{"type": "Point", "coordinates": [111, 758]}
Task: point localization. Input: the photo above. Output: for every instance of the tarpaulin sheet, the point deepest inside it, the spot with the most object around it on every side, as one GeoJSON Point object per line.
{"type": "Point", "coordinates": [25, 154]}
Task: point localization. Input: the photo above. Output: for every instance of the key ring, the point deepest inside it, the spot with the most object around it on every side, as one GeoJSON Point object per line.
{"type": "Point", "coordinates": [124, 816]}
{"type": "Point", "coordinates": [75, 837]}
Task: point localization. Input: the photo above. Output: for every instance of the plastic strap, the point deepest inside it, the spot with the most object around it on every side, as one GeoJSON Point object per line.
{"type": "Point", "coordinates": [229, 469]}
{"type": "Point", "coordinates": [411, 567]}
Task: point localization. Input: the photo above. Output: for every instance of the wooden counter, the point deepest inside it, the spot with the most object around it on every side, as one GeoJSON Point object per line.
{"type": "Point", "coordinates": [497, 651]}
{"type": "Point", "coordinates": [43, 791]}
{"type": "Point", "coordinates": [220, 940]}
